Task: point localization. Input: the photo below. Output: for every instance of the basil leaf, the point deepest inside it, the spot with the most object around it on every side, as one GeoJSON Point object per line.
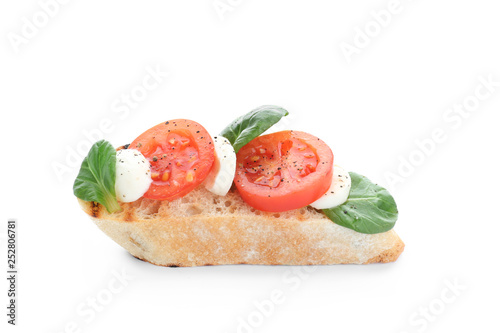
{"type": "Point", "coordinates": [369, 209]}
{"type": "Point", "coordinates": [96, 179]}
{"type": "Point", "coordinates": [246, 128]}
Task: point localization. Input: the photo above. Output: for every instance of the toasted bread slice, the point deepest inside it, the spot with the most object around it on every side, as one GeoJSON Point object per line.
{"type": "Point", "coordinates": [205, 229]}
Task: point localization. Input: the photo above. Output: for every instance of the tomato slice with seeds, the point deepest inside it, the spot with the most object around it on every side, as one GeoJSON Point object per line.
{"type": "Point", "coordinates": [283, 171]}
{"type": "Point", "coordinates": [181, 154]}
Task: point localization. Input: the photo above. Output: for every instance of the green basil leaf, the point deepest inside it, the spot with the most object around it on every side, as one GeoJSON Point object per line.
{"type": "Point", "coordinates": [246, 128]}
{"type": "Point", "coordinates": [369, 209]}
{"type": "Point", "coordinates": [97, 176]}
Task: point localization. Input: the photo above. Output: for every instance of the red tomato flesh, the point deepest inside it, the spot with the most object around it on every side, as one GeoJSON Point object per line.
{"type": "Point", "coordinates": [181, 154]}
{"type": "Point", "coordinates": [283, 171]}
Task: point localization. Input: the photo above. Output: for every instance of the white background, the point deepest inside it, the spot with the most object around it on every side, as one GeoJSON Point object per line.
{"type": "Point", "coordinates": [67, 76]}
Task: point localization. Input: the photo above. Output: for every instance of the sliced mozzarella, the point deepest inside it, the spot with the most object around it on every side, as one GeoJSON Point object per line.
{"type": "Point", "coordinates": [221, 176]}
{"type": "Point", "coordinates": [338, 192]}
{"type": "Point", "coordinates": [133, 175]}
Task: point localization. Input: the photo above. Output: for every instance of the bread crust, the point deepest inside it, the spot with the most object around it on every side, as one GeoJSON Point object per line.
{"type": "Point", "coordinates": [204, 229]}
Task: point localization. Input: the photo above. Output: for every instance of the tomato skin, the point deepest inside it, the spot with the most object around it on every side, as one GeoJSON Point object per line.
{"type": "Point", "coordinates": [283, 171]}
{"type": "Point", "coordinates": [181, 154]}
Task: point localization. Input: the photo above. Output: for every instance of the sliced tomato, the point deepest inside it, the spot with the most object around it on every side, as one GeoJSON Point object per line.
{"type": "Point", "coordinates": [181, 154]}
{"type": "Point", "coordinates": [283, 171]}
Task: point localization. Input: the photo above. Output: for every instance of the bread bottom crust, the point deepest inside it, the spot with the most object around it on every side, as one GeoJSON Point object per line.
{"type": "Point", "coordinates": [204, 229]}
{"type": "Point", "coordinates": [203, 241]}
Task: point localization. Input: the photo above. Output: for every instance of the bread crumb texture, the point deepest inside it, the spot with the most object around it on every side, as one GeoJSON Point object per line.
{"type": "Point", "coordinates": [205, 229]}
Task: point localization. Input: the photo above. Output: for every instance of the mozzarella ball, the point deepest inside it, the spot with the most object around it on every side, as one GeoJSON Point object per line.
{"type": "Point", "coordinates": [221, 176]}
{"type": "Point", "coordinates": [338, 192]}
{"type": "Point", "coordinates": [133, 175]}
